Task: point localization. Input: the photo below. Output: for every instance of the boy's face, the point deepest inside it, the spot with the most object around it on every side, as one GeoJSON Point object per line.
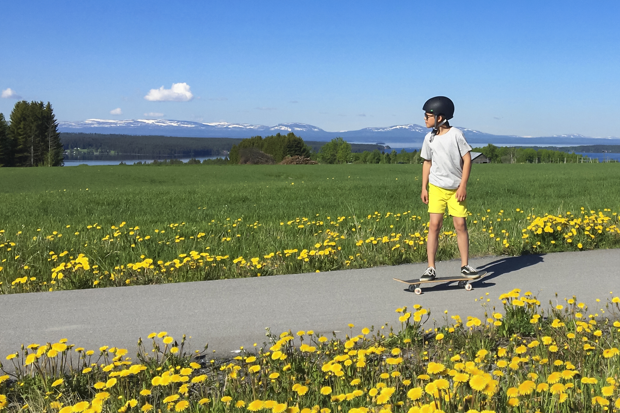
{"type": "Point", "coordinates": [429, 119]}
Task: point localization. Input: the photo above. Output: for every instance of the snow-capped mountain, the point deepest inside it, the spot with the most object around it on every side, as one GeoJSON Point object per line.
{"type": "Point", "coordinates": [404, 135]}
{"type": "Point", "coordinates": [184, 128]}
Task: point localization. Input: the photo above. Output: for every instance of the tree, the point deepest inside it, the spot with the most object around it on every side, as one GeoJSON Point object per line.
{"type": "Point", "coordinates": [55, 150]}
{"type": "Point", "coordinates": [344, 152]}
{"type": "Point", "coordinates": [278, 146]}
{"type": "Point", "coordinates": [33, 136]}
{"type": "Point", "coordinates": [5, 144]}
{"type": "Point", "coordinates": [329, 152]}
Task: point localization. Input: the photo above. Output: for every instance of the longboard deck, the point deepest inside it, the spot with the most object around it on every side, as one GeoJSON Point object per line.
{"type": "Point", "coordinates": [415, 284]}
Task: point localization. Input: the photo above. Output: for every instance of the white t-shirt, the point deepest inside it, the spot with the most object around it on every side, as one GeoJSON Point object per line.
{"type": "Point", "coordinates": [446, 154]}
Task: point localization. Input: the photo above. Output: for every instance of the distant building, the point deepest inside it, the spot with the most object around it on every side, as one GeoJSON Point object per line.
{"type": "Point", "coordinates": [477, 157]}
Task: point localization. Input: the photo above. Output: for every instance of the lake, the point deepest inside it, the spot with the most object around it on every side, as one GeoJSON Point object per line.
{"type": "Point", "coordinates": [602, 157]}
{"type": "Point", "coordinates": [128, 162]}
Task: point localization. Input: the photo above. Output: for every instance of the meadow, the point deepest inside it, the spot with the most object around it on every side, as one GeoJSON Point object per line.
{"type": "Point", "coordinates": [92, 227]}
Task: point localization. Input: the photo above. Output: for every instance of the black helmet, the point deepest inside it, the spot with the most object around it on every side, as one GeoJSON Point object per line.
{"type": "Point", "coordinates": [440, 105]}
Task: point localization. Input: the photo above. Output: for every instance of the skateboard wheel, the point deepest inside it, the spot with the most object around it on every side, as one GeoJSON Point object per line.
{"type": "Point", "coordinates": [418, 291]}
{"type": "Point", "coordinates": [469, 287]}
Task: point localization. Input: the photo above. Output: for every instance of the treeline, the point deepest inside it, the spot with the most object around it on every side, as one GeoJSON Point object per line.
{"type": "Point", "coordinates": [505, 154]}
{"type": "Point", "coordinates": [586, 148]}
{"type": "Point", "coordinates": [277, 146]}
{"type": "Point", "coordinates": [94, 146]}
{"type": "Point", "coordinates": [340, 151]}
{"type": "Point", "coordinates": [31, 138]}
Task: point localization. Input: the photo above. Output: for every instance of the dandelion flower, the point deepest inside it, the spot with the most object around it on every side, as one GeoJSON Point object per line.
{"type": "Point", "coordinates": [435, 368]}
{"type": "Point", "coordinates": [80, 407]}
{"type": "Point", "coordinates": [415, 393]}
{"type": "Point", "coordinates": [527, 387]}
{"type": "Point", "coordinates": [171, 399]}
{"type": "Point", "coordinates": [255, 406]}
{"type": "Point", "coordinates": [478, 382]}
{"type": "Point", "coordinates": [279, 408]}
{"type": "Point", "coordinates": [326, 390]}
{"type": "Point", "coordinates": [180, 406]}
{"type": "Point", "coordinates": [57, 382]}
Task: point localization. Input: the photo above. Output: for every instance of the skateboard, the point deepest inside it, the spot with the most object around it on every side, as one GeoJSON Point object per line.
{"type": "Point", "coordinates": [415, 285]}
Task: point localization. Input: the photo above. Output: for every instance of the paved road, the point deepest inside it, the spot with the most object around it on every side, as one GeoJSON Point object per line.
{"type": "Point", "coordinates": [232, 313]}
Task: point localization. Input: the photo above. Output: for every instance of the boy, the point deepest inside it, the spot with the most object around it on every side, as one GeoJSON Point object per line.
{"type": "Point", "coordinates": [447, 164]}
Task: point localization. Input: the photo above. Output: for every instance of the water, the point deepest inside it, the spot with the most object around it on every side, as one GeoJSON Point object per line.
{"type": "Point", "coordinates": [128, 162]}
{"type": "Point", "coordinates": [602, 157]}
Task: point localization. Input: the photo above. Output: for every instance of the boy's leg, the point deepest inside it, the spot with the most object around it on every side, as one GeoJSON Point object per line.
{"type": "Point", "coordinates": [462, 238]}
{"type": "Point", "coordinates": [436, 221]}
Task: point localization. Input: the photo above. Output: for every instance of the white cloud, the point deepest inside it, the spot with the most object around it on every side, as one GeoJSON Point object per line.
{"type": "Point", "coordinates": [154, 115]}
{"type": "Point", "coordinates": [10, 94]}
{"type": "Point", "coordinates": [116, 111]}
{"type": "Point", "coordinates": [179, 92]}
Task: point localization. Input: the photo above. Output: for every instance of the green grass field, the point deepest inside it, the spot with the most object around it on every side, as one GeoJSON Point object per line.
{"type": "Point", "coordinates": [84, 227]}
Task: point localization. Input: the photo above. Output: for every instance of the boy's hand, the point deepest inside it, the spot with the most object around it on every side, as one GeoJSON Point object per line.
{"type": "Point", "coordinates": [424, 195]}
{"type": "Point", "coordinates": [461, 194]}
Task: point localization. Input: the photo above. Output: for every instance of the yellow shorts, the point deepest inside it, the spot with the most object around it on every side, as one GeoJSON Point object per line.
{"type": "Point", "coordinates": [438, 198]}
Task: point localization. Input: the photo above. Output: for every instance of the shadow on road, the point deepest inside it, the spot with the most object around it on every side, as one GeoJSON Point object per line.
{"type": "Point", "coordinates": [501, 266]}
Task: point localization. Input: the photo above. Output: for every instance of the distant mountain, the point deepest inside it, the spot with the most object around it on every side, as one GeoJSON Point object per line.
{"type": "Point", "coordinates": [410, 135]}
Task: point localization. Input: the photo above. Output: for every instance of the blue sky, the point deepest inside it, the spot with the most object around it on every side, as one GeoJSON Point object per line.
{"type": "Point", "coordinates": [525, 68]}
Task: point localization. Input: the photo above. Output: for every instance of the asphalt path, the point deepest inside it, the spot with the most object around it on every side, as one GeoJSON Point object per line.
{"type": "Point", "coordinates": [228, 314]}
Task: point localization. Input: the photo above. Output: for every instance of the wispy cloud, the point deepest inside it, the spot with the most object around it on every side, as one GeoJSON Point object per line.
{"type": "Point", "coordinates": [218, 99]}
{"type": "Point", "coordinates": [294, 101]}
{"type": "Point", "coordinates": [10, 94]}
{"type": "Point", "coordinates": [179, 92]}
{"type": "Point", "coordinates": [363, 115]}
{"type": "Point", "coordinates": [154, 115]}
{"type": "Point", "coordinates": [116, 111]}
{"type": "Point", "coordinates": [264, 108]}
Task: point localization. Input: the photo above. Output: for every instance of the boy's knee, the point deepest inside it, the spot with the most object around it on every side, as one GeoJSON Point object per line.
{"type": "Point", "coordinates": [434, 226]}
{"type": "Point", "coordinates": [460, 225]}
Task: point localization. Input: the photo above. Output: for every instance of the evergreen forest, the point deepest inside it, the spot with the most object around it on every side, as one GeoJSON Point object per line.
{"type": "Point", "coordinates": [31, 138]}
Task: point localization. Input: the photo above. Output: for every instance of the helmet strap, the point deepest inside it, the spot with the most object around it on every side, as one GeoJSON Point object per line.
{"type": "Point", "coordinates": [436, 127]}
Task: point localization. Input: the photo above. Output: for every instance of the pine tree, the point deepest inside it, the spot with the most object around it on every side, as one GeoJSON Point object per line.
{"type": "Point", "coordinates": [55, 151]}
{"type": "Point", "coordinates": [33, 136]}
{"type": "Point", "coordinates": [5, 147]}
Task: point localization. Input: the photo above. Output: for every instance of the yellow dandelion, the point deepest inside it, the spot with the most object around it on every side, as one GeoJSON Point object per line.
{"type": "Point", "coordinates": [58, 382]}
{"type": "Point", "coordinates": [255, 406]}
{"type": "Point", "coordinates": [171, 399]}
{"type": "Point", "coordinates": [279, 408]}
{"type": "Point", "coordinates": [180, 406]}
{"type": "Point", "coordinates": [435, 368]}
{"type": "Point", "coordinates": [607, 391]}
{"type": "Point", "coordinates": [554, 377]}
{"type": "Point", "coordinates": [442, 384]}
{"type": "Point", "coordinates": [80, 407]}
{"type": "Point", "coordinates": [478, 382]}
{"type": "Point", "coordinates": [557, 388]}
{"type": "Point", "coordinates": [415, 393]}
{"type": "Point", "coordinates": [527, 387]}
{"type": "Point", "coordinates": [326, 390]}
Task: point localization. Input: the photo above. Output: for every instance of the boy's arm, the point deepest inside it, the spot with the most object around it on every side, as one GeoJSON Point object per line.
{"type": "Point", "coordinates": [426, 170]}
{"type": "Point", "coordinates": [461, 192]}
